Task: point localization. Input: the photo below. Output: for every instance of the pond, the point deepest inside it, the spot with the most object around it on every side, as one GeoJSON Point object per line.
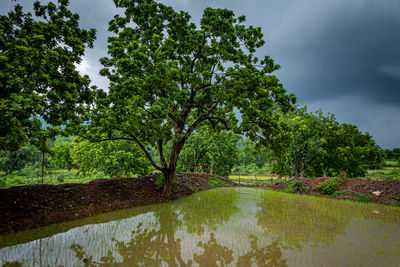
{"type": "Point", "coordinates": [223, 227]}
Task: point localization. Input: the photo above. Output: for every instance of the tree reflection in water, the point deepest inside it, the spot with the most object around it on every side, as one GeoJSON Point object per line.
{"type": "Point", "coordinates": [270, 255]}
{"type": "Point", "coordinates": [200, 217]}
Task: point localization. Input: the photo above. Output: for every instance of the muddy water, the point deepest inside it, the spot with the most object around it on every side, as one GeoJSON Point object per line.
{"type": "Point", "coordinates": [223, 227]}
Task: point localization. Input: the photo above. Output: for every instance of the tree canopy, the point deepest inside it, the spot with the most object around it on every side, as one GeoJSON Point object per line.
{"type": "Point", "coordinates": [40, 86]}
{"type": "Point", "coordinates": [311, 144]}
{"type": "Point", "coordinates": [169, 76]}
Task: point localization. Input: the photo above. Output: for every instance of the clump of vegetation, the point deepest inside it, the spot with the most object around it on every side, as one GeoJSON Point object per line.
{"type": "Point", "coordinates": [60, 178]}
{"type": "Point", "coordinates": [215, 182]}
{"type": "Point", "coordinates": [361, 197]}
{"type": "Point", "coordinates": [328, 187]}
{"type": "Point", "coordinates": [396, 198]}
{"type": "Point", "coordinates": [294, 186]}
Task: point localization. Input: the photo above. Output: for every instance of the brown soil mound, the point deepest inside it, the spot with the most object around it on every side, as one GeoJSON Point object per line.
{"type": "Point", "coordinates": [388, 190]}
{"type": "Point", "coordinates": [32, 206]}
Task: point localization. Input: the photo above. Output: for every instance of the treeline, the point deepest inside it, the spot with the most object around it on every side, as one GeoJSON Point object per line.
{"type": "Point", "coordinates": [305, 144]}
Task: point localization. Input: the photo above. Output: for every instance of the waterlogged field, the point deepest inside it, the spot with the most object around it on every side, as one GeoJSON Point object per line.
{"type": "Point", "coordinates": [254, 179]}
{"type": "Point", "coordinates": [227, 227]}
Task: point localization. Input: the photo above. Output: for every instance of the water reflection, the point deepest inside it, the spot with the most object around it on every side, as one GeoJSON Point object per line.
{"type": "Point", "coordinates": [226, 227]}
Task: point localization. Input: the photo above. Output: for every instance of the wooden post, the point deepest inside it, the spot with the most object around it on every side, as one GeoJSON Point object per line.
{"type": "Point", "coordinates": [239, 178]}
{"type": "Point", "coordinates": [255, 175]}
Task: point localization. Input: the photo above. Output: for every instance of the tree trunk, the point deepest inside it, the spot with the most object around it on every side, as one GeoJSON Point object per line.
{"type": "Point", "coordinates": [42, 167]}
{"type": "Point", "coordinates": [169, 172]}
{"type": "Point", "coordinates": [303, 169]}
{"type": "Point", "coordinates": [296, 169]}
{"type": "Point", "coordinates": [169, 177]}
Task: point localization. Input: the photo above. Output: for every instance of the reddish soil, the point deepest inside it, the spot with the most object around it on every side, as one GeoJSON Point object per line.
{"type": "Point", "coordinates": [33, 206]}
{"type": "Point", "coordinates": [388, 188]}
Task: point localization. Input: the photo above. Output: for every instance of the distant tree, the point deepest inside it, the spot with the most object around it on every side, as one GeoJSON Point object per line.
{"type": "Point", "coordinates": [209, 151]}
{"type": "Point", "coordinates": [317, 145]}
{"type": "Point", "coordinates": [168, 76]}
{"type": "Point", "coordinates": [114, 158]}
{"type": "Point", "coordinates": [61, 156]}
{"type": "Point", "coordinates": [17, 160]}
{"type": "Point", "coordinates": [40, 86]}
{"type": "Point", "coordinates": [246, 154]}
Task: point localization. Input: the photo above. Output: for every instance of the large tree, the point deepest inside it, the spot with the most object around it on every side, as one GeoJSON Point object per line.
{"type": "Point", "coordinates": [40, 86]}
{"type": "Point", "coordinates": [169, 76]}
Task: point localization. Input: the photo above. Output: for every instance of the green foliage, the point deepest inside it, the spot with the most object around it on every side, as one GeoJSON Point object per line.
{"type": "Point", "coordinates": [17, 160]}
{"type": "Point", "coordinates": [60, 178]}
{"type": "Point", "coordinates": [40, 86]}
{"type": "Point", "coordinates": [113, 158]}
{"type": "Point", "coordinates": [328, 187]}
{"type": "Point", "coordinates": [61, 156]}
{"type": "Point", "coordinates": [315, 145]}
{"type": "Point", "coordinates": [169, 76]}
{"type": "Point", "coordinates": [209, 151]}
{"type": "Point", "coordinates": [29, 176]}
{"type": "Point", "coordinates": [294, 186]}
{"type": "Point", "coordinates": [215, 182]}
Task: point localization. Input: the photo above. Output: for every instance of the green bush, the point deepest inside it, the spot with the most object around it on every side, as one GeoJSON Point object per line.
{"type": "Point", "coordinates": [60, 178]}
{"type": "Point", "coordinates": [328, 187]}
{"type": "Point", "coordinates": [294, 186]}
{"type": "Point", "coordinates": [214, 183]}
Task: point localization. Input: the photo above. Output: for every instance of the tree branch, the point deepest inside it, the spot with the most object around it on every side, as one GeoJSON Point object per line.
{"type": "Point", "coordinates": [160, 150]}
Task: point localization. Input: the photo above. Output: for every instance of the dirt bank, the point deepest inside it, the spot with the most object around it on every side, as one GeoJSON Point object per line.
{"type": "Point", "coordinates": [386, 191]}
{"type": "Point", "coordinates": [32, 206]}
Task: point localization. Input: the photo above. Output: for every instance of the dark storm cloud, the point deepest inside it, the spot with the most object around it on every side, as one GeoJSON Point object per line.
{"type": "Point", "coordinates": [342, 48]}
{"type": "Point", "coordinates": [341, 56]}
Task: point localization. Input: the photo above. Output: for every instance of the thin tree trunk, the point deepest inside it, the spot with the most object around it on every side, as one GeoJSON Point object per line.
{"type": "Point", "coordinates": [42, 167]}
{"type": "Point", "coordinates": [303, 169]}
{"type": "Point", "coordinates": [296, 169]}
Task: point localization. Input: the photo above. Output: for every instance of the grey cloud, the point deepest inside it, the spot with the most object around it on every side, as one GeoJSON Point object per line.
{"type": "Point", "coordinates": [341, 56]}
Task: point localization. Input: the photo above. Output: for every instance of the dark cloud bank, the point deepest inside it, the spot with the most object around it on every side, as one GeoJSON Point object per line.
{"type": "Point", "coordinates": [339, 56]}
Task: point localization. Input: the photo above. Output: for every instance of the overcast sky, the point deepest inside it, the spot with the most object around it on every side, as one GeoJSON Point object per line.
{"type": "Point", "coordinates": [341, 56]}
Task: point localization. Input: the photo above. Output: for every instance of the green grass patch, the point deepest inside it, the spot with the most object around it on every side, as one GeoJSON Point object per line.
{"type": "Point", "coordinates": [252, 177]}
{"type": "Point", "coordinates": [30, 176]}
{"type": "Point", "coordinates": [215, 182]}
{"type": "Point", "coordinates": [361, 197]}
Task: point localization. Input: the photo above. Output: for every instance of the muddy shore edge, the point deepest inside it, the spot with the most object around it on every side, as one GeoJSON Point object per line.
{"type": "Point", "coordinates": [32, 206]}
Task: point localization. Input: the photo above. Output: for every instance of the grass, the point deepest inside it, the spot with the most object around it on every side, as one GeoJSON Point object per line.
{"type": "Point", "coordinates": [215, 182]}
{"type": "Point", "coordinates": [56, 176]}
{"type": "Point", "coordinates": [253, 177]}
{"type": "Point", "coordinates": [387, 173]}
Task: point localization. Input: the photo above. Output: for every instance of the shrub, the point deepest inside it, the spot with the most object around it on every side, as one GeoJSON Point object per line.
{"type": "Point", "coordinates": [328, 187]}
{"type": "Point", "coordinates": [294, 186]}
{"type": "Point", "coordinates": [60, 178]}
{"type": "Point", "coordinates": [214, 183]}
